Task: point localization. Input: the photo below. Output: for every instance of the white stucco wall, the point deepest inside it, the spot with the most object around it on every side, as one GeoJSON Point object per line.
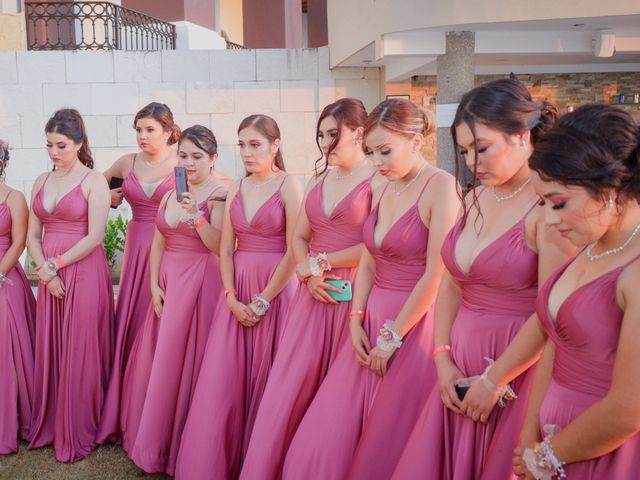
{"type": "Point", "coordinates": [216, 88]}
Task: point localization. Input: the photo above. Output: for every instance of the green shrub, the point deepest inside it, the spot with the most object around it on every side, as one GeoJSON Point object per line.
{"type": "Point", "coordinates": [114, 235]}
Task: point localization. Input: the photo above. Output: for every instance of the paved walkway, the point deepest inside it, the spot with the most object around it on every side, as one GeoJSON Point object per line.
{"type": "Point", "coordinates": [106, 463]}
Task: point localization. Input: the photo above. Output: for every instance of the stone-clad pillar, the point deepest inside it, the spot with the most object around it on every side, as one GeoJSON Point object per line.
{"type": "Point", "coordinates": [455, 78]}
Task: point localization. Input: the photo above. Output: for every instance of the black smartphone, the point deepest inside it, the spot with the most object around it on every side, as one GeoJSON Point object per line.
{"type": "Point", "coordinates": [462, 390]}
{"type": "Point", "coordinates": [181, 182]}
{"type": "Point", "coordinates": [115, 182]}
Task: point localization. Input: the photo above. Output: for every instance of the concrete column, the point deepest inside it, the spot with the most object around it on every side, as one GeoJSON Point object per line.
{"type": "Point", "coordinates": [317, 34]}
{"type": "Point", "coordinates": [455, 78]}
{"type": "Point", "coordinates": [272, 24]}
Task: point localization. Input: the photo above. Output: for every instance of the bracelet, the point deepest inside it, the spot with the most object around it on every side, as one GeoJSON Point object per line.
{"type": "Point", "coordinates": [319, 264]}
{"type": "Point", "coordinates": [542, 461]}
{"type": "Point", "coordinates": [200, 222]}
{"type": "Point", "coordinates": [441, 349]}
{"type": "Point", "coordinates": [228, 291]}
{"type": "Point", "coordinates": [192, 218]}
{"type": "Point", "coordinates": [505, 394]}
{"type": "Point", "coordinates": [60, 262]}
{"type": "Point", "coordinates": [357, 313]}
{"type": "Point", "coordinates": [51, 267]}
{"type": "Point", "coordinates": [388, 338]}
{"type": "Point", "coordinates": [259, 305]}
{"type": "Point", "coordinates": [4, 280]}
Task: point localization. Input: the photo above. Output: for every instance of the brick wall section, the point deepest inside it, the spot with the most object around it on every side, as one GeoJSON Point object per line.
{"type": "Point", "coordinates": [560, 89]}
{"type": "Point", "coordinates": [216, 88]}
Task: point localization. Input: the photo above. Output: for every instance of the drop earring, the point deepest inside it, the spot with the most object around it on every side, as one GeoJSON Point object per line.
{"type": "Point", "coordinates": [523, 142]}
{"type": "Point", "coordinates": [610, 200]}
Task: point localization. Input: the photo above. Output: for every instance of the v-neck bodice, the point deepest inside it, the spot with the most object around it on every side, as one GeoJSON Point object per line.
{"type": "Point", "coordinates": [343, 227]}
{"type": "Point", "coordinates": [586, 331]}
{"type": "Point", "coordinates": [69, 216]}
{"type": "Point", "coordinates": [181, 237]}
{"type": "Point", "coordinates": [5, 226]}
{"type": "Point", "coordinates": [267, 231]}
{"type": "Point", "coordinates": [503, 277]}
{"type": "Point", "coordinates": [144, 208]}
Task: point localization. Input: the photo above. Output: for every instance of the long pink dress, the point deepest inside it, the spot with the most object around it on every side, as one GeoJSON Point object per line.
{"type": "Point", "coordinates": [166, 356]}
{"type": "Point", "coordinates": [17, 325]}
{"type": "Point", "coordinates": [586, 334]}
{"type": "Point", "coordinates": [134, 294]}
{"type": "Point", "coordinates": [237, 359]}
{"type": "Point", "coordinates": [73, 336]}
{"type": "Point", "coordinates": [325, 442]}
{"type": "Point", "coordinates": [498, 296]}
{"type": "Point", "coordinates": [314, 335]}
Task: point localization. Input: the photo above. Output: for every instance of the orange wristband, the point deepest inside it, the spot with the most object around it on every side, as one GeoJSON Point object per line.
{"type": "Point", "coordinates": [228, 291]}
{"type": "Point", "coordinates": [359, 313]}
{"type": "Point", "coordinates": [440, 349]}
{"type": "Point", "coordinates": [60, 262]}
{"type": "Point", "coordinates": [200, 222]}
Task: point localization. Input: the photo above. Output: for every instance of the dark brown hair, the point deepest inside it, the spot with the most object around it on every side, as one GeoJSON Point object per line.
{"type": "Point", "coordinates": [268, 128]}
{"type": "Point", "coordinates": [161, 113]}
{"type": "Point", "coordinates": [4, 158]}
{"type": "Point", "coordinates": [68, 122]}
{"type": "Point", "coordinates": [201, 137]}
{"type": "Point", "coordinates": [504, 105]}
{"type": "Point", "coordinates": [596, 147]}
{"type": "Point", "coordinates": [349, 112]}
{"type": "Point", "coordinates": [401, 116]}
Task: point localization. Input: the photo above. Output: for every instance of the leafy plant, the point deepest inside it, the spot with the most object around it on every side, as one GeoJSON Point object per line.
{"type": "Point", "coordinates": [114, 235]}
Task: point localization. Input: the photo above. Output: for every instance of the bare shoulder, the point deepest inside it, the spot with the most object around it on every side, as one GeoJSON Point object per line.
{"type": "Point", "coordinates": [233, 190]}
{"type": "Point", "coordinates": [627, 287]}
{"type": "Point", "coordinates": [97, 180]}
{"type": "Point", "coordinates": [291, 186]}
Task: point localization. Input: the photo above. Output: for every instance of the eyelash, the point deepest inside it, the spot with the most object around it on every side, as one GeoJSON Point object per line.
{"type": "Point", "coordinates": [557, 206]}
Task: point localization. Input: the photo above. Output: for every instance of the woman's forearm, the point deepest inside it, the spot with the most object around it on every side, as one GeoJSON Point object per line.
{"type": "Point", "coordinates": [446, 307]}
{"type": "Point", "coordinates": [419, 301]}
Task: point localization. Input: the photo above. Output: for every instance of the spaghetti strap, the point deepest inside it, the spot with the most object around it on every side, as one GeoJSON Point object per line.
{"type": "Point", "coordinates": [382, 194]}
{"type": "Point", "coordinates": [85, 177]}
{"type": "Point", "coordinates": [424, 187]}
{"type": "Point", "coordinates": [6, 197]}
{"type": "Point", "coordinates": [626, 264]}
{"type": "Point", "coordinates": [282, 182]}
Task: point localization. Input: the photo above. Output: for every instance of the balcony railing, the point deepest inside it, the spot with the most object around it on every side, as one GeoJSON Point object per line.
{"type": "Point", "coordinates": [94, 26]}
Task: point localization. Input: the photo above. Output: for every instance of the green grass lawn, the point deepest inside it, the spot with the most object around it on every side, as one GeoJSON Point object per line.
{"type": "Point", "coordinates": [105, 463]}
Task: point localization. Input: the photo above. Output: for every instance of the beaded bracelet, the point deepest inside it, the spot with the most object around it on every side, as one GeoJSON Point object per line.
{"type": "Point", "coordinates": [4, 280]}
{"type": "Point", "coordinates": [505, 394]}
{"type": "Point", "coordinates": [542, 461]}
{"type": "Point", "coordinates": [259, 305]}
{"type": "Point", "coordinates": [388, 338]}
{"type": "Point", "coordinates": [52, 265]}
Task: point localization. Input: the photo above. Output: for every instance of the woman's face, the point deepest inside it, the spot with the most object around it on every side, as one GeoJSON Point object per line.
{"type": "Point", "coordinates": [571, 210]}
{"type": "Point", "coordinates": [62, 150]}
{"type": "Point", "coordinates": [257, 152]}
{"type": "Point", "coordinates": [150, 135]}
{"type": "Point", "coordinates": [500, 155]}
{"type": "Point", "coordinates": [392, 154]}
{"type": "Point", "coordinates": [348, 148]}
{"type": "Point", "coordinates": [197, 162]}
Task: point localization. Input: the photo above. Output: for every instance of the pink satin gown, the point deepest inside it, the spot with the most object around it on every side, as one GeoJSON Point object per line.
{"type": "Point", "coordinates": [498, 296]}
{"type": "Point", "coordinates": [586, 334]}
{"type": "Point", "coordinates": [238, 359]}
{"type": "Point", "coordinates": [166, 356]}
{"type": "Point", "coordinates": [74, 336]}
{"type": "Point", "coordinates": [326, 440]}
{"type": "Point", "coordinates": [134, 294]}
{"type": "Point", "coordinates": [17, 335]}
{"type": "Point", "coordinates": [315, 333]}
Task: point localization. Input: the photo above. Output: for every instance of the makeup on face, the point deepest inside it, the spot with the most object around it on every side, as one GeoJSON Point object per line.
{"type": "Point", "coordinates": [256, 151]}
{"type": "Point", "coordinates": [197, 162]}
{"type": "Point", "coordinates": [61, 149]}
{"type": "Point", "coordinates": [391, 153]}
{"type": "Point", "coordinates": [150, 135]}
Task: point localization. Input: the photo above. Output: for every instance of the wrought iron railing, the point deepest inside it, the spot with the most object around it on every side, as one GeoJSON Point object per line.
{"type": "Point", "coordinates": [94, 26]}
{"type": "Point", "coordinates": [235, 46]}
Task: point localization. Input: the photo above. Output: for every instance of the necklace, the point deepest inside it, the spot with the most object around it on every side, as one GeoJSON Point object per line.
{"type": "Point", "coordinates": [261, 184]}
{"type": "Point", "coordinates": [353, 170]}
{"type": "Point", "coordinates": [612, 251]}
{"type": "Point", "coordinates": [397, 193]}
{"type": "Point", "coordinates": [501, 198]}
{"type": "Point", "coordinates": [156, 164]}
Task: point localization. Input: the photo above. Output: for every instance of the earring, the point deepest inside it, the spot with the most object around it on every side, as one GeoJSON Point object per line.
{"type": "Point", "coordinates": [356, 141]}
{"type": "Point", "coordinates": [610, 200]}
{"type": "Point", "coordinates": [523, 142]}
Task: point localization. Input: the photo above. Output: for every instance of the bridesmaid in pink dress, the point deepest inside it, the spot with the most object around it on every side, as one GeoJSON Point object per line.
{"type": "Point", "coordinates": [587, 170]}
{"type": "Point", "coordinates": [74, 319]}
{"type": "Point", "coordinates": [17, 317]}
{"type": "Point", "coordinates": [256, 264]}
{"type": "Point", "coordinates": [396, 284]}
{"type": "Point", "coordinates": [495, 256]}
{"type": "Point", "coordinates": [148, 176]}
{"type": "Point", "coordinates": [185, 286]}
{"type": "Point", "coordinates": [336, 205]}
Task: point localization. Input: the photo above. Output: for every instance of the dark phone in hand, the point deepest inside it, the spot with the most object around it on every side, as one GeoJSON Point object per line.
{"type": "Point", "coordinates": [461, 391]}
{"type": "Point", "coordinates": [181, 182]}
{"type": "Point", "coordinates": [115, 182]}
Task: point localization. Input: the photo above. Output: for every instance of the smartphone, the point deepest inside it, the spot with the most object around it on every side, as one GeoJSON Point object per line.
{"type": "Point", "coordinates": [461, 390]}
{"type": "Point", "coordinates": [181, 182]}
{"type": "Point", "coordinates": [115, 182]}
{"type": "Point", "coordinates": [345, 294]}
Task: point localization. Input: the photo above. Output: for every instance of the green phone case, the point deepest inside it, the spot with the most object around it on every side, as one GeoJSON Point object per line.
{"type": "Point", "coordinates": [345, 295]}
